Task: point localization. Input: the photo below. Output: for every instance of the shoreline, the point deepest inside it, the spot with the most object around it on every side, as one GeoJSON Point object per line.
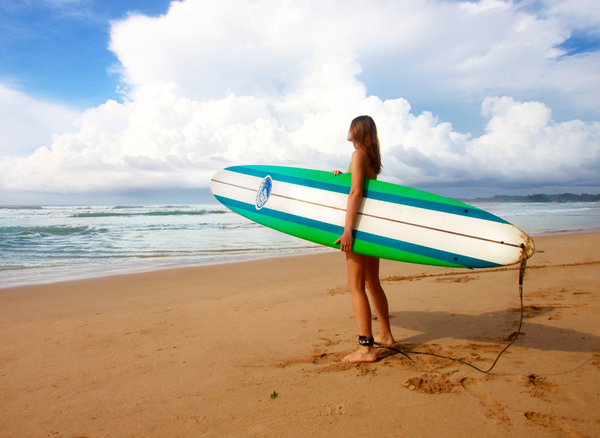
{"type": "Point", "coordinates": [175, 266]}
{"type": "Point", "coordinates": [94, 273]}
{"type": "Point", "coordinates": [254, 348]}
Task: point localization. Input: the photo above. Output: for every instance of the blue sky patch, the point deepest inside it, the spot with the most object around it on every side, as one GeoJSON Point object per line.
{"type": "Point", "coordinates": [59, 51]}
{"type": "Point", "coordinates": [581, 42]}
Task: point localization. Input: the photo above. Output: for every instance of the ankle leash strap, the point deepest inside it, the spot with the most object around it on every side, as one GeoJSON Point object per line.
{"type": "Point", "coordinates": [367, 342]}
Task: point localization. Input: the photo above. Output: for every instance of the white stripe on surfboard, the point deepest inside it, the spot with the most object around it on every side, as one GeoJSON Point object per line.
{"type": "Point", "coordinates": [300, 201]}
{"type": "Point", "coordinates": [429, 218]}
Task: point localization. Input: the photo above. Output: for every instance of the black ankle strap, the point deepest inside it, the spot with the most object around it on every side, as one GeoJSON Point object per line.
{"type": "Point", "coordinates": [367, 342]}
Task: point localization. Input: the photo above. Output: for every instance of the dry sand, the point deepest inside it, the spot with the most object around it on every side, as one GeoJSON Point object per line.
{"type": "Point", "coordinates": [253, 349]}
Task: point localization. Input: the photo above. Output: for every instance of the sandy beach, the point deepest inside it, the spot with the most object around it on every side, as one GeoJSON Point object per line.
{"type": "Point", "coordinates": [253, 349]}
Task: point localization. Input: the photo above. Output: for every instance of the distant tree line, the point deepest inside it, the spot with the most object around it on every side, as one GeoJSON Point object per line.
{"type": "Point", "coordinates": [541, 197]}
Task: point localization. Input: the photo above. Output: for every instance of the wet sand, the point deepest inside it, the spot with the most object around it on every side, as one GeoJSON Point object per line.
{"type": "Point", "coordinates": [253, 349]}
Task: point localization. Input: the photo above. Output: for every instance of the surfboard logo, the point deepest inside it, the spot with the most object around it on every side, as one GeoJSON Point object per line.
{"type": "Point", "coordinates": [264, 192]}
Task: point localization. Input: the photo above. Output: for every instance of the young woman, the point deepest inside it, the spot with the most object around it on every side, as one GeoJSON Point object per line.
{"type": "Point", "coordinates": [364, 270]}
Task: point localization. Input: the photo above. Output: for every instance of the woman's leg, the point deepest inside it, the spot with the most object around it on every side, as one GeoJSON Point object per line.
{"type": "Point", "coordinates": [380, 302]}
{"type": "Point", "coordinates": [357, 271]}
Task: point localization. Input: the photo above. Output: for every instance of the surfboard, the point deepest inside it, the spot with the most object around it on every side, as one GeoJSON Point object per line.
{"type": "Point", "coordinates": [393, 222]}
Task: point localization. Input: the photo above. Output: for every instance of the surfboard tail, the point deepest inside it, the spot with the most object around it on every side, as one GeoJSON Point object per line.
{"type": "Point", "coordinates": [529, 245]}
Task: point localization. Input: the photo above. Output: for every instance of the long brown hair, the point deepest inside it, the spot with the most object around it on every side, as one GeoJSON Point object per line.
{"type": "Point", "coordinates": [364, 133]}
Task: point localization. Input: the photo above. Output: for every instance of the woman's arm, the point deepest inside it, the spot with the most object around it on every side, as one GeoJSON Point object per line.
{"type": "Point", "coordinates": [357, 171]}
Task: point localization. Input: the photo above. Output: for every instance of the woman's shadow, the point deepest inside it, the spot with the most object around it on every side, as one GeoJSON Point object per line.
{"type": "Point", "coordinates": [496, 327]}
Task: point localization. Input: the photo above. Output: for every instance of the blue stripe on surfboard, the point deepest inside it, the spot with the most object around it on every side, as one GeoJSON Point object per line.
{"type": "Point", "coordinates": [433, 253]}
{"type": "Point", "coordinates": [371, 194]}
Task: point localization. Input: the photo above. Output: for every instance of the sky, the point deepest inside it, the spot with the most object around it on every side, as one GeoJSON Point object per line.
{"type": "Point", "coordinates": [143, 101]}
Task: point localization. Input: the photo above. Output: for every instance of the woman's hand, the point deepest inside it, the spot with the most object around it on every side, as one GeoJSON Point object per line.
{"type": "Point", "coordinates": [337, 172]}
{"type": "Point", "coordinates": [346, 241]}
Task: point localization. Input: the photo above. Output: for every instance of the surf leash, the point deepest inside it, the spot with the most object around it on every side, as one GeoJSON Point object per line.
{"type": "Point", "coordinates": [522, 269]}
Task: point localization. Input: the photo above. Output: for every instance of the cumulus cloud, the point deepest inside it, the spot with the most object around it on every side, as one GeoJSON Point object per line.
{"type": "Point", "coordinates": [433, 49]}
{"type": "Point", "coordinates": [522, 146]}
{"type": "Point", "coordinates": [212, 84]}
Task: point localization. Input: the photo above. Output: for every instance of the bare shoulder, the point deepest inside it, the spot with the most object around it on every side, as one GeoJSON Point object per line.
{"type": "Point", "coordinates": [359, 153]}
{"type": "Point", "coordinates": [359, 157]}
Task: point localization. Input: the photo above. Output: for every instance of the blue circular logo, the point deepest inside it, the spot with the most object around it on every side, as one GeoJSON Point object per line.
{"type": "Point", "coordinates": [264, 191]}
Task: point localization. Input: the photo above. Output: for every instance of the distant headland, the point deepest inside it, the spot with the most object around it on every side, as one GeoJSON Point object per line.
{"type": "Point", "coordinates": [540, 197]}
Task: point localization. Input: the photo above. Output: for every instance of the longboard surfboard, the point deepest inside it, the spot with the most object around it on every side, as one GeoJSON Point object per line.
{"type": "Point", "coordinates": [393, 222]}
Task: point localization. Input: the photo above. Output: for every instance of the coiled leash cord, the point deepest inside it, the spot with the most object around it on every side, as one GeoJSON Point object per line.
{"type": "Point", "coordinates": [521, 276]}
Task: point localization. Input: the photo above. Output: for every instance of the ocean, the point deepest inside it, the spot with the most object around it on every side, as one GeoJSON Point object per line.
{"type": "Point", "coordinates": [42, 244]}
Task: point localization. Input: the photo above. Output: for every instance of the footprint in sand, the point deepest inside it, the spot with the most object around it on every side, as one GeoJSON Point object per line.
{"type": "Point", "coordinates": [333, 410]}
{"type": "Point", "coordinates": [495, 409]}
{"type": "Point", "coordinates": [543, 389]}
{"type": "Point", "coordinates": [431, 383]}
{"type": "Point", "coordinates": [338, 290]}
{"type": "Point", "coordinates": [548, 421]}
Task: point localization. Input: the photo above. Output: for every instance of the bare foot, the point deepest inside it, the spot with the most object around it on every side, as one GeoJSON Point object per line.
{"type": "Point", "coordinates": [362, 355]}
{"type": "Point", "coordinates": [385, 340]}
